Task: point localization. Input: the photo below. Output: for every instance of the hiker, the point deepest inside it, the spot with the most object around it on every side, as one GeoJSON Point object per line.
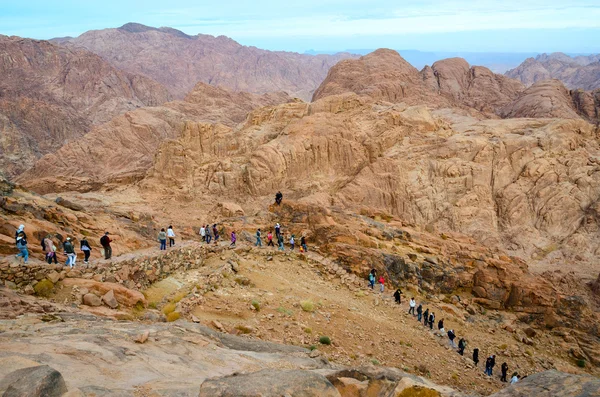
{"type": "Point", "coordinates": [489, 364]}
{"type": "Point", "coordinates": [50, 249]}
{"type": "Point", "coordinates": [278, 198]}
{"type": "Point", "coordinates": [292, 242]}
{"type": "Point", "coordinates": [426, 316]}
{"type": "Point", "coordinates": [476, 356]}
{"type": "Point", "coordinates": [233, 239]}
{"type": "Point", "coordinates": [171, 236]}
{"type": "Point", "coordinates": [431, 320]}
{"type": "Point", "coordinates": [215, 233]}
{"type": "Point", "coordinates": [303, 243]}
{"type": "Point", "coordinates": [258, 240]}
{"type": "Point", "coordinates": [451, 336]}
{"type": "Point", "coordinates": [419, 312]}
{"type": "Point", "coordinates": [270, 239]}
{"type": "Point", "coordinates": [87, 250]}
{"type": "Point", "coordinates": [441, 325]}
{"type": "Point", "coordinates": [208, 234]}
{"type": "Point", "coordinates": [514, 379]}
{"type": "Point", "coordinates": [20, 230]}
{"type": "Point", "coordinates": [105, 243]}
{"type": "Point", "coordinates": [372, 279]}
{"type": "Point", "coordinates": [397, 296]}
{"type": "Point", "coordinates": [462, 343]}
{"type": "Point", "coordinates": [381, 283]}
{"type": "Point", "coordinates": [162, 239]}
{"type": "Point", "coordinates": [277, 229]}
{"type": "Point", "coordinates": [280, 242]}
{"type": "Point", "coordinates": [412, 304]}
{"type": "Point", "coordinates": [21, 241]}
{"type": "Point", "coordinates": [203, 233]}
{"type": "Point", "coordinates": [504, 369]}
{"type": "Point", "coordinates": [70, 251]}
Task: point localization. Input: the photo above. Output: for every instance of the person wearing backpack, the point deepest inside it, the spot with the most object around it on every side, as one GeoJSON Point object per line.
{"type": "Point", "coordinates": [208, 234]}
{"type": "Point", "coordinates": [50, 249]}
{"type": "Point", "coordinates": [105, 243]}
{"type": "Point", "coordinates": [203, 233]}
{"type": "Point", "coordinates": [431, 320]}
{"type": "Point", "coordinates": [280, 242]}
{"type": "Point", "coordinates": [162, 239]}
{"type": "Point", "coordinates": [20, 231]}
{"type": "Point", "coordinates": [22, 246]}
{"type": "Point", "coordinates": [476, 356]}
{"type": "Point", "coordinates": [451, 337]}
{"type": "Point", "coordinates": [419, 312]}
{"type": "Point", "coordinates": [171, 236]}
{"type": "Point", "coordinates": [462, 344]}
{"type": "Point", "coordinates": [87, 250]}
{"type": "Point", "coordinates": [258, 239]}
{"type": "Point", "coordinates": [426, 317]}
{"type": "Point", "coordinates": [504, 369]}
{"type": "Point", "coordinates": [70, 251]}
{"type": "Point", "coordinates": [277, 229]}
{"type": "Point", "coordinates": [303, 243]}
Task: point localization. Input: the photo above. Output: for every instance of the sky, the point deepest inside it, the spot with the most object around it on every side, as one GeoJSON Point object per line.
{"type": "Point", "coordinates": [324, 25]}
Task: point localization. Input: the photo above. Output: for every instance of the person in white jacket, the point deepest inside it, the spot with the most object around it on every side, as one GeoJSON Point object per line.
{"type": "Point", "coordinates": [171, 236]}
{"type": "Point", "coordinates": [412, 305]}
{"type": "Point", "coordinates": [203, 233]}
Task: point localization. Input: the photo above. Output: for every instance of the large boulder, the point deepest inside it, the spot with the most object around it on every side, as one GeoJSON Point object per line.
{"type": "Point", "coordinates": [39, 381]}
{"type": "Point", "coordinates": [270, 383]}
{"type": "Point", "coordinates": [122, 294]}
{"type": "Point", "coordinates": [551, 384]}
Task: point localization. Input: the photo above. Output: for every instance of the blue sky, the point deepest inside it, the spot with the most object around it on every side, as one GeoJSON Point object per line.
{"type": "Point", "coordinates": [429, 25]}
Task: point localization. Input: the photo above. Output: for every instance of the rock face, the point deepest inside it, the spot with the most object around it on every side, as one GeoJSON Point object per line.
{"type": "Point", "coordinates": [553, 383]}
{"type": "Point", "coordinates": [384, 74]}
{"type": "Point", "coordinates": [50, 95]}
{"type": "Point", "coordinates": [122, 149]}
{"type": "Point", "coordinates": [581, 72]}
{"type": "Point", "coordinates": [33, 381]}
{"type": "Point", "coordinates": [179, 61]}
{"type": "Point", "coordinates": [550, 98]}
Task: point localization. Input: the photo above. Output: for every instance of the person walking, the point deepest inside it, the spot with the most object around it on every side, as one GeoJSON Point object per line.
{"type": "Point", "coordinates": [162, 239]}
{"type": "Point", "coordinates": [441, 325]}
{"type": "Point", "coordinates": [431, 320]}
{"type": "Point", "coordinates": [419, 312]}
{"type": "Point", "coordinates": [171, 236]}
{"type": "Point", "coordinates": [504, 369]}
{"type": "Point", "coordinates": [86, 249]}
{"type": "Point", "coordinates": [70, 251]}
{"type": "Point", "coordinates": [462, 344]}
{"type": "Point", "coordinates": [258, 240]}
{"type": "Point", "coordinates": [21, 242]}
{"type": "Point", "coordinates": [203, 233]}
{"type": "Point", "coordinates": [233, 239]}
{"type": "Point", "coordinates": [277, 229]}
{"type": "Point", "coordinates": [303, 243]}
{"type": "Point", "coordinates": [451, 337]}
{"type": "Point", "coordinates": [270, 239]}
{"type": "Point", "coordinates": [411, 306]}
{"type": "Point", "coordinates": [371, 279]}
{"type": "Point", "coordinates": [215, 233]}
{"type": "Point", "coordinates": [20, 231]}
{"type": "Point", "coordinates": [397, 296]}
{"type": "Point", "coordinates": [48, 249]}
{"type": "Point", "coordinates": [381, 283]}
{"type": "Point", "coordinates": [280, 242]}
{"type": "Point", "coordinates": [489, 365]}
{"type": "Point", "coordinates": [426, 317]}
{"type": "Point", "coordinates": [292, 242]}
{"type": "Point", "coordinates": [208, 234]}
{"type": "Point", "coordinates": [278, 198]}
{"type": "Point", "coordinates": [105, 243]}
{"type": "Point", "coordinates": [514, 379]}
{"type": "Point", "coordinates": [476, 356]}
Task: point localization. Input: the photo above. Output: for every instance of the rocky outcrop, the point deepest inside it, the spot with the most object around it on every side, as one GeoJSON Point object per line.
{"type": "Point", "coordinates": [553, 383]}
{"type": "Point", "coordinates": [550, 98]}
{"type": "Point", "coordinates": [384, 74]}
{"type": "Point", "coordinates": [50, 95]}
{"type": "Point", "coordinates": [33, 381]}
{"type": "Point", "coordinates": [581, 72]}
{"type": "Point", "coordinates": [122, 150]}
{"type": "Point", "coordinates": [179, 61]}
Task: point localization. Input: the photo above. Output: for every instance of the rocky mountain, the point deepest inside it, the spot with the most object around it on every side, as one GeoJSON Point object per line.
{"type": "Point", "coordinates": [50, 95]}
{"type": "Point", "coordinates": [581, 72]}
{"type": "Point", "coordinates": [179, 61]}
{"type": "Point", "coordinates": [384, 74]}
{"type": "Point", "coordinates": [122, 149]}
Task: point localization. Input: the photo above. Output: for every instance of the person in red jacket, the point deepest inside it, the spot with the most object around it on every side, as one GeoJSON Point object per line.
{"type": "Point", "coordinates": [381, 283]}
{"type": "Point", "coordinates": [105, 242]}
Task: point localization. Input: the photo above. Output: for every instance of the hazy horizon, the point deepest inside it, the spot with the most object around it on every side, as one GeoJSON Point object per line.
{"type": "Point", "coordinates": [334, 25]}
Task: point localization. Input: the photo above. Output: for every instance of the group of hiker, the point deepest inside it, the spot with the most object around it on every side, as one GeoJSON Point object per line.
{"type": "Point", "coordinates": [280, 240]}
{"type": "Point", "coordinates": [209, 234]}
{"type": "Point", "coordinates": [51, 251]}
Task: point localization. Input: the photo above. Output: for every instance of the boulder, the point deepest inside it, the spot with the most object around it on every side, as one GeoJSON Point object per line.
{"type": "Point", "coordinates": [553, 383]}
{"type": "Point", "coordinates": [123, 295]}
{"type": "Point", "coordinates": [109, 299]}
{"type": "Point", "coordinates": [270, 383]}
{"type": "Point", "coordinates": [91, 300]}
{"type": "Point", "coordinates": [68, 204]}
{"type": "Point", "coordinates": [39, 381]}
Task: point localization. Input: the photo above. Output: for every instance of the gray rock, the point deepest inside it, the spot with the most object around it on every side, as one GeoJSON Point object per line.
{"type": "Point", "coordinates": [40, 381]}
{"type": "Point", "coordinates": [68, 204]}
{"type": "Point", "coordinates": [91, 300]}
{"type": "Point", "coordinates": [551, 384]}
{"type": "Point", "coordinates": [270, 383]}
